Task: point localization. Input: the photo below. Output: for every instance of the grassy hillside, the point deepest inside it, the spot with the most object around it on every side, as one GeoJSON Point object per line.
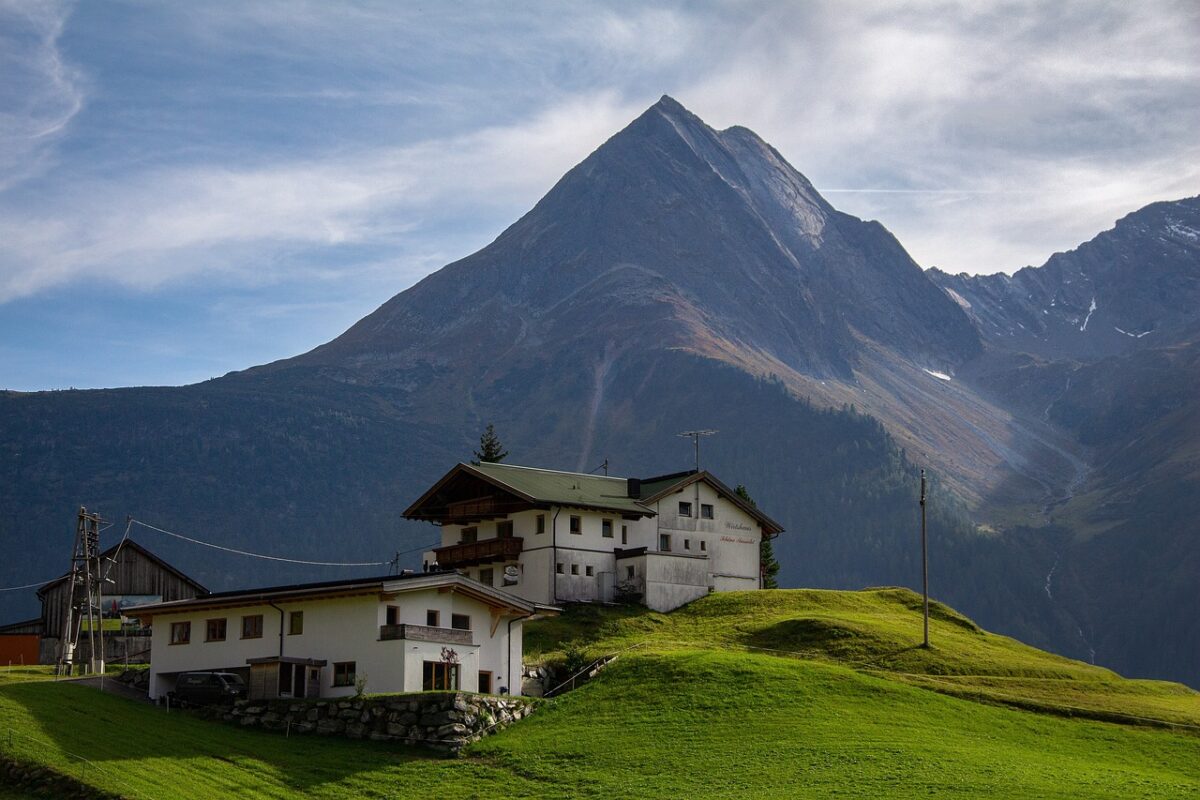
{"type": "Point", "coordinates": [877, 631]}
{"type": "Point", "coordinates": [691, 710]}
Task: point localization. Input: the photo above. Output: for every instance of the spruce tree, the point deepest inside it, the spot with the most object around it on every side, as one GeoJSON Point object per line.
{"type": "Point", "coordinates": [490, 451]}
{"type": "Point", "coordinates": [766, 553]}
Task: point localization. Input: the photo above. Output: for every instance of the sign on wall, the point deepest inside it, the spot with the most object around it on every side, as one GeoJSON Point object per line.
{"type": "Point", "coordinates": [113, 606]}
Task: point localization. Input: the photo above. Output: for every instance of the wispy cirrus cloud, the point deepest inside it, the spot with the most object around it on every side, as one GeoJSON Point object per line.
{"type": "Point", "coordinates": [169, 224]}
{"type": "Point", "coordinates": [40, 92]}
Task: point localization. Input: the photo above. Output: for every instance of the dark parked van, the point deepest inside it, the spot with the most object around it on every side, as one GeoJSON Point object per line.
{"type": "Point", "coordinates": [208, 688]}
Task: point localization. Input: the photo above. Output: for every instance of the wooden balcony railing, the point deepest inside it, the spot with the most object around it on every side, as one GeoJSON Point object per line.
{"type": "Point", "coordinates": [482, 552]}
{"type": "Point", "coordinates": [425, 633]}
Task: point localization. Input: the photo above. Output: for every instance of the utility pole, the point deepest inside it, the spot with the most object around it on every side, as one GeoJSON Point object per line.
{"type": "Point", "coordinates": [924, 561]}
{"type": "Point", "coordinates": [84, 596]}
{"type": "Point", "coordinates": [695, 437]}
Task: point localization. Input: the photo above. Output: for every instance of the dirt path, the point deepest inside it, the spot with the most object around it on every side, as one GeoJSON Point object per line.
{"type": "Point", "coordinates": [113, 686]}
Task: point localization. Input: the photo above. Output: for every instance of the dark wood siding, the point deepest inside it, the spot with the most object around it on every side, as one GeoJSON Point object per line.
{"type": "Point", "coordinates": [135, 572]}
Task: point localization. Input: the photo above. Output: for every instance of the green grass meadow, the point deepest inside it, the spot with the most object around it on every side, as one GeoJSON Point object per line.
{"type": "Point", "coordinates": [836, 708]}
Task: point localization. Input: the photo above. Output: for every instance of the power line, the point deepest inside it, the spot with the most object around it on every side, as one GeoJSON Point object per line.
{"type": "Point", "coordinates": [261, 555]}
{"type": "Point", "coordinates": [26, 586]}
{"type": "Point", "coordinates": [133, 521]}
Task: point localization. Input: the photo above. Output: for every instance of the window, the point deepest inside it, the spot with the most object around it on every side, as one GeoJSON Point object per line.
{"type": "Point", "coordinates": [181, 632]}
{"type": "Point", "coordinates": [296, 623]}
{"type": "Point", "coordinates": [393, 615]}
{"type": "Point", "coordinates": [589, 571]}
{"type": "Point", "coordinates": [576, 524]}
{"type": "Point", "coordinates": [606, 528]}
{"type": "Point", "coordinates": [664, 542]}
{"type": "Point", "coordinates": [624, 534]}
{"type": "Point", "coordinates": [687, 544]}
{"type": "Point", "coordinates": [629, 573]}
{"type": "Point", "coordinates": [558, 568]}
{"type": "Point", "coordinates": [214, 630]}
{"type": "Point", "coordinates": [469, 536]}
{"type": "Point", "coordinates": [685, 509]}
{"type": "Point", "coordinates": [574, 569]}
{"type": "Point", "coordinates": [343, 673]}
{"type": "Point", "coordinates": [439, 676]}
{"type": "Point", "coordinates": [252, 627]}
{"type": "Point", "coordinates": [706, 511]}
{"type": "Point", "coordinates": [461, 622]}
{"type": "Point", "coordinates": [539, 524]}
{"type": "Point", "coordinates": [433, 618]}
{"type": "Point", "coordinates": [487, 577]}
{"type": "Point", "coordinates": [485, 682]}
{"type": "Point", "coordinates": [504, 530]}
{"type": "Point", "coordinates": [703, 546]}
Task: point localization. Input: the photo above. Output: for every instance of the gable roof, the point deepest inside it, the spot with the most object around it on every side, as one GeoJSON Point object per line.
{"type": "Point", "coordinates": [387, 584]}
{"type": "Point", "coordinates": [130, 544]}
{"type": "Point", "coordinates": [664, 485]}
{"type": "Point", "coordinates": [540, 487]}
{"type": "Point", "coordinates": [581, 490]}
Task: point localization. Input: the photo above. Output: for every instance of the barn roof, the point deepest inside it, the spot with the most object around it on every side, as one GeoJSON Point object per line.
{"type": "Point", "coordinates": [130, 544]}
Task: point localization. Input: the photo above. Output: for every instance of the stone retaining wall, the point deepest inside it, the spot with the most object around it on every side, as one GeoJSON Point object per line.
{"type": "Point", "coordinates": [442, 721]}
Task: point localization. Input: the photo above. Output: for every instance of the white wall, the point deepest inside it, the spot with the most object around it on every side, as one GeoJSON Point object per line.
{"type": "Point", "coordinates": [342, 629]}
{"type": "Point", "coordinates": [729, 542]}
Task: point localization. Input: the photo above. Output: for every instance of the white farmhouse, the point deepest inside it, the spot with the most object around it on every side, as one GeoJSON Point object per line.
{"type": "Point", "coordinates": [406, 633]}
{"type": "Point", "coordinates": [553, 537]}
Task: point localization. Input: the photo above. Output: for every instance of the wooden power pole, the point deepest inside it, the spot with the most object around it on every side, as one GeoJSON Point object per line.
{"type": "Point", "coordinates": [924, 561]}
{"type": "Point", "coordinates": [84, 596]}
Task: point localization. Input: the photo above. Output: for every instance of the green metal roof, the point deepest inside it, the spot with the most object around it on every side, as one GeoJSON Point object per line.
{"type": "Point", "coordinates": [564, 488]}
{"type": "Point", "coordinates": [546, 487]}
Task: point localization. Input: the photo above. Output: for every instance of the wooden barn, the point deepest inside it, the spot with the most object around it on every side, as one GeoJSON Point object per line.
{"type": "Point", "coordinates": [137, 577]}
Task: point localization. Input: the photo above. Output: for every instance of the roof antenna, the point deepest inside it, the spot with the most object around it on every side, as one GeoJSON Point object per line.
{"type": "Point", "coordinates": [603, 466]}
{"type": "Point", "coordinates": [695, 436]}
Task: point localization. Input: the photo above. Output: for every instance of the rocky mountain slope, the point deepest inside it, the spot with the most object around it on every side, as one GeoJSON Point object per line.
{"type": "Point", "coordinates": [678, 277]}
{"type": "Point", "coordinates": [1103, 343]}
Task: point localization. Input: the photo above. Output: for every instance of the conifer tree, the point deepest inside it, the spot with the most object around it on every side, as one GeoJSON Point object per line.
{"type": "Point", "coordinates": [766, 553]}
{"type": "Point", "coordinates": [490, 451]}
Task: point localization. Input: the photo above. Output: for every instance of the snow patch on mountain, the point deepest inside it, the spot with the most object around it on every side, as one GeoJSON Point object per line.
{"type": "Point", "coordinates": [1091, 310]}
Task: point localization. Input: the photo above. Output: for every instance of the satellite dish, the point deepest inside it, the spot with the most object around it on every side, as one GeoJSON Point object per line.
{"type": "Point", "coordinates": [511, 571]}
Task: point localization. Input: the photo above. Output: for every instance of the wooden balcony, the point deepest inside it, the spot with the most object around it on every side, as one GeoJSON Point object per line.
{"type": "Point", "coordinates": [425, 633]}
{"type": "Point", "coordinates": [481, 552]}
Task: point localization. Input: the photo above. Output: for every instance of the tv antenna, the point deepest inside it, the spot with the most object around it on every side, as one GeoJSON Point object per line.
{"type": "Point", "coordinates": [695, 437]}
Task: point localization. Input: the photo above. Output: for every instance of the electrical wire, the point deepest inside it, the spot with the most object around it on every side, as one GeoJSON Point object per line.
{"type": "Point", "coordinates": [112, 562]}
{"type": "Point", "coordinates": [26, 586]}
{"type": "Point", "coordinates": [262, 555]}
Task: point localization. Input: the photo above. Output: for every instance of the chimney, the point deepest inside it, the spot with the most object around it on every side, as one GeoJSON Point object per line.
{"type": "Point", "coordinates": [633, 488]}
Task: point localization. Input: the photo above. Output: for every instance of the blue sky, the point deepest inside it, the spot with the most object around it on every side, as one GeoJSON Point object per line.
{"type": "Point", "coordinates": [192, 188]}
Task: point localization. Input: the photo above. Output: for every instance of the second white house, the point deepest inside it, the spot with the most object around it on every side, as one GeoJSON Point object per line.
{"type": "Point", "coordinates": [553, 537]}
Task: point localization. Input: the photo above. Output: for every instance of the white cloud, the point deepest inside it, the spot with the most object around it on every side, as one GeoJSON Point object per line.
{"type": "Point", "coordinates": [229, 223]}
{"type": "Point", "coordinates": [1014, 130]}
{"type": "Point", "coordinates": [39, 93]}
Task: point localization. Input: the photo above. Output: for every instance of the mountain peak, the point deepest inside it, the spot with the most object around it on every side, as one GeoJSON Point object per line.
{"type": "Point", "coordinates": [691, 237]}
